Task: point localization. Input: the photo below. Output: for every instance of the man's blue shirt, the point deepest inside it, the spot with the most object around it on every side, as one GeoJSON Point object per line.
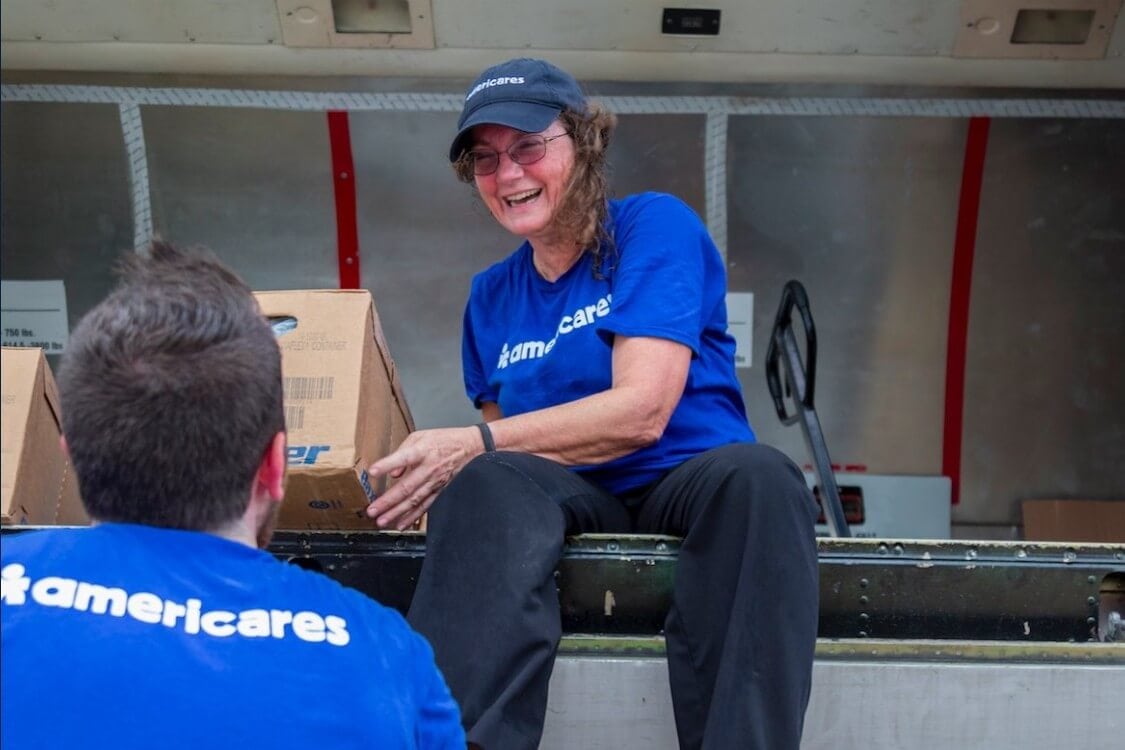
{"type": "Point", "coordinates": [124, 636]}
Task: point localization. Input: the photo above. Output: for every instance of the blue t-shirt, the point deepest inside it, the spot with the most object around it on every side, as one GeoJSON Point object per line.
{"type": "Point", "coordinates": [529, 343]}
{"type": "Point", "coordinates": [123, 636]}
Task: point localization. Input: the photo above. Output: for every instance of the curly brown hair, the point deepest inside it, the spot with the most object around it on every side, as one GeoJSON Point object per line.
{"type": "Point", "coordinates": [585, 208]}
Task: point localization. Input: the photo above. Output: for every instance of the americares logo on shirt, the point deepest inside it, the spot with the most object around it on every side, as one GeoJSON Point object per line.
{"type": "Point", "coordinates": [18, 589]}
{"type": "Point", "coordinates": [535, 349]}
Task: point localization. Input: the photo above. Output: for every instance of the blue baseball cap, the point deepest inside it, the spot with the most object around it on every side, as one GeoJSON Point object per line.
{"type": "Point", "coordinates": [524, 94]}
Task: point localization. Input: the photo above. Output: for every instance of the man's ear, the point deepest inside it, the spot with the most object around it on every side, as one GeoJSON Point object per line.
{"type": "Point", "coordinates": [271, 472]}
{"type": "Point", "coordinates": [63, 445]}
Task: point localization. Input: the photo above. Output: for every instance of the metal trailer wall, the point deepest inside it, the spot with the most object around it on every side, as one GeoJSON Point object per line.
{"type": "Point", "coordinates": [863, 210]}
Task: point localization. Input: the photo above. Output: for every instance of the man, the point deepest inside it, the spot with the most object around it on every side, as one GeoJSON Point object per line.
{"type": "Point", "coordinates": [164, 625]}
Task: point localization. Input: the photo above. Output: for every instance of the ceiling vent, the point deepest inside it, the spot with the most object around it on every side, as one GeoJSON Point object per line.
{"type": "Point", "coordinates": [1036, 29]}
{"type": "Point", "coordinates": [401, 24]}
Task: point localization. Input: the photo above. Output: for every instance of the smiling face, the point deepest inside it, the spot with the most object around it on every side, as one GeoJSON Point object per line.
{"type": "Point", "coordinates": [524, 198]}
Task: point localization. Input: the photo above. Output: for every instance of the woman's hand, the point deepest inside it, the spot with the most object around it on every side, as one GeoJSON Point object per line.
{"type": "Point", "coordinates": [648, 379]}
{"type": "Point", "coordinates": [422, 466]}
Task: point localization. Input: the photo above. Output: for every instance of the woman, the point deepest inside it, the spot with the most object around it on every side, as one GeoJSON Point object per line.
{"type": "Point", "coordinates": [598, 356]}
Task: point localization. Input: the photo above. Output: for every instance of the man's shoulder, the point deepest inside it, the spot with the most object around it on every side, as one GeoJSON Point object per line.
{"type": "Point", "coordinates": [179, 564]}
{"type": "Point", "coordinates": [19, 541]}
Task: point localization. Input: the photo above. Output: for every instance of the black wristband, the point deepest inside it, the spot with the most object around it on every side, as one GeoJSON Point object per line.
{"type": "Point", "coordinates": [486, 436]}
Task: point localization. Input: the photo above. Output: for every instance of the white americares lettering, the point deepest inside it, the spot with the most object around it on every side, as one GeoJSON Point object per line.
{"type": "Point", "coordinates": [580, 318]}
{"type": "Point", "coordinates": [145, 607]}
{"type": "Point", "coordinates": [17, 589]}
{"type": "Point", "coordinates": [218, 623]}
{"type": "Point", "coordinates": [191, 621]}
{"type": "Point", "coordinates": [54, 592]}
{"type": "Point", "coordinates": [502, 81]}
{"type": "Point", "coordinates": [337, 630]}
{"type": "Point", "coordinates": [254, 623]}
{"type": "Point", "coordinates": [279, 618]}
{"type": "Point", "coordinates": [172, 612]}
{"type": "Point", "coordinates": [308, 626]}
{"type": "Point", "coordinates": [14, 584]}
{"type": "Point", "coordinates": [100, 599]}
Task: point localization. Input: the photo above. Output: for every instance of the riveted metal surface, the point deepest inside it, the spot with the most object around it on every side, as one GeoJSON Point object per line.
{"type": "Point", "coordinates": [906, 589]}
{"type": "Point", "coordinates": [874, 589]}
{"type": "Point", "coordinates": [937, 589]}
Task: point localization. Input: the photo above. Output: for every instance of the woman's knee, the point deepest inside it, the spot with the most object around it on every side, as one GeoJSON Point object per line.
{"type": "Point", "coordinates": [763, 476]}
{"type": "Point", "coordinates": [499, 489]}
{"type": "Point", "coordinates": [758, 459]}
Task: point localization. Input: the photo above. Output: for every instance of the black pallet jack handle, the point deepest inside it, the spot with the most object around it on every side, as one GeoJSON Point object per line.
{"type": "Point", "coordinates": [800, 383]}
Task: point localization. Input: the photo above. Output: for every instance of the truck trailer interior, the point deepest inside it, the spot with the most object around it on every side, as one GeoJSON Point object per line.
{"type": "Point", "coordinates": [940, 184]}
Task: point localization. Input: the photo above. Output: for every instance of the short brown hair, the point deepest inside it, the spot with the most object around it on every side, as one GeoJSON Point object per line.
{"type": "Point", "coordinates": [171, 393]}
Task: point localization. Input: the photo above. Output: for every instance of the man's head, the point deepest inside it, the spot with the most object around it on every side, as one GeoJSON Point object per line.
{"type": "Point", "coordinates": [171, 394]}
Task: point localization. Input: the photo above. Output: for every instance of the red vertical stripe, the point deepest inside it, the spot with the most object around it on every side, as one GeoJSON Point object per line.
{"type": "Point", "coordinates": [964, 245]}
{"type": "Point", "coordinates": [343, 181]}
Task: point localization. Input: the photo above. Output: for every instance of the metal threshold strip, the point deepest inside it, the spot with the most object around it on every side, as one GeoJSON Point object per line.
{"type": "Point", "coordinates": [871, 590]}
{"type": "Point", "coordinates": [871, 649]}
{"type": "Point", "coordinates": [621, 585]}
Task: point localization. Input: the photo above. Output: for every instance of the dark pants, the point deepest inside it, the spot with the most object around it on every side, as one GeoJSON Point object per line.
{"type": "Point", "coordinates": [741, 630]}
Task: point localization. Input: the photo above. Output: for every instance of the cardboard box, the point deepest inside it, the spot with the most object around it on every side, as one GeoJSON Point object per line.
{"type": "Point", "coordinates": [1074, 520]}
{"type": "Point", "coordinates": [344, 404]}
{"type": "Point", "coordinates": [38, 486]}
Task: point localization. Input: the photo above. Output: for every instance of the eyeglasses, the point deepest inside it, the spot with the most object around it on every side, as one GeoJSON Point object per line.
{"type": "Point", "coordinates": [527, 150]}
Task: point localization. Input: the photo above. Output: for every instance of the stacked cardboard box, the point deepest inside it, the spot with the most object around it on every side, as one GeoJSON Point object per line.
{"type": "Point", "coordinates": [1074, 520]}
{"type": "Point", "coordinates": [344, 404]}
{"type": "Point", "coordinates": [39, 486]}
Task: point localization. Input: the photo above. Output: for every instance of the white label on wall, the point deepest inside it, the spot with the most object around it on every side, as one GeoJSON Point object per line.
{"type": "Point", "coordinates": [33, 313]}
{"type": "Point", "coordinates": [740, 325]}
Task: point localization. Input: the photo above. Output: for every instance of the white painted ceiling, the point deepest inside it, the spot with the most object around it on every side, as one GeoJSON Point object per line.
{"type": "Point", "coordinates": [858, 41]}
